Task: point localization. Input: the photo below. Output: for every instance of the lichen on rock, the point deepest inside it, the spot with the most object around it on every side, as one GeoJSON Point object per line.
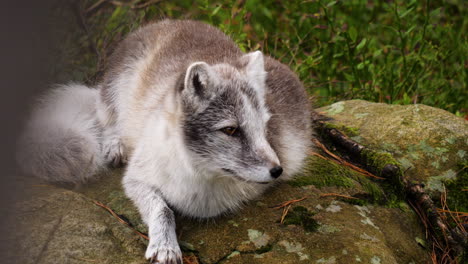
{"type": "Point", "coordinates": [318, 229]}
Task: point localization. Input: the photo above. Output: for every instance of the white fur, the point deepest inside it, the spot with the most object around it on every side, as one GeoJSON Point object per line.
{"type": "Point", "coordinates": [255, 70]}
{"type": "Point", "coordinates": [163, 161]}
{"type": "Point", "coordinates": [294, 153]}
{"type": "Point", "coordinates": [61, 140]}
{"type": "Point", "coordinates": [162, 172]}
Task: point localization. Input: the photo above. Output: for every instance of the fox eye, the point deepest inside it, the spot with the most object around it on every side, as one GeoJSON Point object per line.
{"type": "Point", "coordinates": [230, 131]}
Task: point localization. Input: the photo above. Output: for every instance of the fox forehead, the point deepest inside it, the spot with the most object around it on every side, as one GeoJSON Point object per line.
{"type": "Point", "coordinates": [236, 99]}
{"type": "Point", "coordinates": [241, 101]}
{"type": "Point", "coordinates": [233, 105]}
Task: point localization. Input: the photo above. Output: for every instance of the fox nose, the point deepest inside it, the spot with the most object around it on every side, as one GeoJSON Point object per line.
{"type": "Point", "coordinates": [275, 172]}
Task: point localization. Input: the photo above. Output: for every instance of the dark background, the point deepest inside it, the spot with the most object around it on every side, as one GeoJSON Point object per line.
{"type": "Point", "coordinates": [24, 46]}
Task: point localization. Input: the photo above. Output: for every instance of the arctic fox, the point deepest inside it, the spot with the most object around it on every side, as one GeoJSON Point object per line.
{"type": "Point", "coordinates": [203, 126]}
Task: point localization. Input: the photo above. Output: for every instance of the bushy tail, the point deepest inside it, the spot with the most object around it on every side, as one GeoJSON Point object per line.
{"type": "Point", "coordinates": [61, 140]}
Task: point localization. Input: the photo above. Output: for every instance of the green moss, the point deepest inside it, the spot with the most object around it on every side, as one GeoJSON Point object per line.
{"type": "Point", "coordinates": [320, 172]}
{"type": "Point", "coordinates": [378, 160]}
{"type": "Point", "coordinates": [349, 131]}
{"type": "Point", "coordinates": [299, 215]}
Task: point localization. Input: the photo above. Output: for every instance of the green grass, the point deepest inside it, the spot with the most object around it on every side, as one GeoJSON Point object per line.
{"type": "Point", "coordinates": [398, 52]}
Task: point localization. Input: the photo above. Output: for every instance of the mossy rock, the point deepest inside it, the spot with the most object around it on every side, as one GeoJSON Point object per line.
{"type": "Point", "coordinates": [316, 229]}
{"type": "Point", "coordinates": [55, 225]}
{"type": "Point", "coordinates": [428, 143]}
{"type": "Point", "coordinates": [322, 173]}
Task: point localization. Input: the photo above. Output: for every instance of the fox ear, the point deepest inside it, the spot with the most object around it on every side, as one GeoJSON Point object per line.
{"type": "Point", "coordinates": [197, 79]}
{"type": "Point", "coordinates": [255, 68]}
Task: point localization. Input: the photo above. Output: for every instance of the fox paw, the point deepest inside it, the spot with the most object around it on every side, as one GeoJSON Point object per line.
{"type": "Point", "coordinates": [163, 255]}
{"type": "Point", "coordinates": [114, 152]}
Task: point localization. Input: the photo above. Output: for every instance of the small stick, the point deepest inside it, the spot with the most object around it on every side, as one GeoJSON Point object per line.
{"type": "Point", "coordinates": [285, 212]}
{"type": "Point", "coordinates": [284, 204]}
{"type": "Point", "coordinates": [319, 144]}
{"type": "Point", "coordinates": [121, 220]}
{"type": "Point", "coordinates": [452, 212]}
{"type": "Point", "coordinates": [192, 259]}
{"type": "Point", "coordinates": [351, 166]}
{"type": "Point", "coordinates": [344, 162]}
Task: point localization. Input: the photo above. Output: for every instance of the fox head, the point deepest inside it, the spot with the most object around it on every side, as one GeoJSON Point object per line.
{"type": "Point", "coordinates": [226, 118]}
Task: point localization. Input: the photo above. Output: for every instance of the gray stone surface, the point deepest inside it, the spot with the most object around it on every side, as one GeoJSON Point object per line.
{"type": "Point", "coordinates": [57, 225]}
{"type": "Point", "coordinates": [428, 142]}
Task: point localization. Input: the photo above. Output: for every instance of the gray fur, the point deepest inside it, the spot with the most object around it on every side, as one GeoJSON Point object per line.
{"type": "Point", "coordinates": [170, 91]}
{"type": "Point", "coordinates": [60, 142]}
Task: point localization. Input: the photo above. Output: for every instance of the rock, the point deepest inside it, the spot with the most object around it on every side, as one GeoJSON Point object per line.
{"type": "Point", "coordinates": [64, 226]}
{"type": "Point", "coordinates": [352, 232]}
{"type": "Point", "coordinates": [362, 226]}
{"type": "Point", "coordinates": [430, 144]}
{"type": "Point", "coordinates": [56, 225]}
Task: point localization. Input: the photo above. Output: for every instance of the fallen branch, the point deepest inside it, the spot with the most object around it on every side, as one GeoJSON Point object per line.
{"type": "Point", "coordinates": [455, 238]}
{"type": "Point", "coordinates": [449, 243]}
{"type": "Point", "coordinates": [121, 220]}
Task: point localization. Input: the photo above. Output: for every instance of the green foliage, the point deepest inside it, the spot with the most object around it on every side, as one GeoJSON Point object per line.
{"type": "Point", "coordinates": [399, 52]}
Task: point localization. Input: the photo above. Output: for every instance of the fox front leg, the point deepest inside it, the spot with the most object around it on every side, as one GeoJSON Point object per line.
{"type": "Point", "coordinates": [163, 247]}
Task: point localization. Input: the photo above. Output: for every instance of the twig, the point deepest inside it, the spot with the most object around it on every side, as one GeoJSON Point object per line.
{"type": "Point", "coordinates": [320, 156]}
{"type": "Point", "coordinates": [121, 220]}
{"type": "Point", "coordinates": [337, 195]}
{"type": "Point", "coordinates": [285, 212]}
{"type": "Point", "coordinates": [192, 259]}
{"type": "Point", "coordinates": [284, 204]}
{"type": "Point", "coordinates": [341, 161]}
{"type": "Point", "coordinates": [320, 145]}
{"type": "Point", "coordinates": [452, 212]}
